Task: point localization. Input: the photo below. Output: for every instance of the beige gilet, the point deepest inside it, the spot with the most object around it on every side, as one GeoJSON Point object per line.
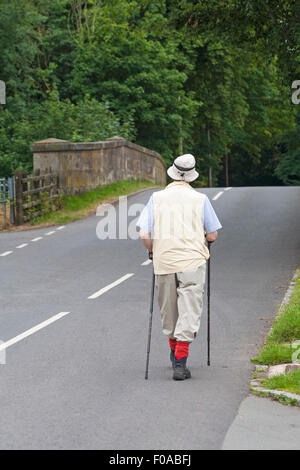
{"type": "Point", "coordinates": [178, 232]}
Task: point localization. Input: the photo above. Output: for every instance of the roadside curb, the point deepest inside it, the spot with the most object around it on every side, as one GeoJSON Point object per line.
{"type": "Point", "coordinates": [255, 384]}
{"type": "Point", "coordinates": [288, 294]}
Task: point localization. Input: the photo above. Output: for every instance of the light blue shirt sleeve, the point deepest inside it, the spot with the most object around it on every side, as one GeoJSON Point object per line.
{"type": "Point", "coordinates": [210, 220]}
{"type": "Point", "coordinates": [145, 220]}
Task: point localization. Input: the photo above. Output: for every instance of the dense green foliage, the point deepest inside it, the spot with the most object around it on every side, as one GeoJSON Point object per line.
{"type": "Point", "coordinates": [212, 78]}
{"type": "Point", "coordinates": [88, 120]}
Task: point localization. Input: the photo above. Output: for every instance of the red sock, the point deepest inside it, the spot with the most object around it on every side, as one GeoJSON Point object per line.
{"type": "Point", "coordinates": [182, 350]}
{"type": "Point", "coordinates": [172, 343]}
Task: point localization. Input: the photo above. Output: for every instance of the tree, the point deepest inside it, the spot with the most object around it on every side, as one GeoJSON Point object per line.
{"type": "Point", "coordinates": [19, 49]}
{"type": "Point", "coordinates": [271, 26]}
{"type": "Point", "coordinates": [131, 59]}
{"type": "Point", "coordinates": [248, 109]}
{"type": "Point", "coordinates": [288, 169]}
{"type": "Point", "coordinates": [88, 120]}
{"type": "Point", "coordinates": [210, 78]}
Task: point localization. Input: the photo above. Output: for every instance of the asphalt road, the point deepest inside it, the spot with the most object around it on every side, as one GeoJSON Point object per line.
{"type": "Point", "coordinates": [78, 382]}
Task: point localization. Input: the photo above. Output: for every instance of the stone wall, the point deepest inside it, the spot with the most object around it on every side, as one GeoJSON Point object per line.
{"type": "Point", "coordinates": [87, 165]}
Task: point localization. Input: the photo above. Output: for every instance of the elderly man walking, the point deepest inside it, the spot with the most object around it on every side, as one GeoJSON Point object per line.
{"type": "Point", "coordinates": [174, 227]}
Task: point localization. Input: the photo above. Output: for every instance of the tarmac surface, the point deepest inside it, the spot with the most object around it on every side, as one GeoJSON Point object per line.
{"type": "Point", "coordinates": [73, 376]}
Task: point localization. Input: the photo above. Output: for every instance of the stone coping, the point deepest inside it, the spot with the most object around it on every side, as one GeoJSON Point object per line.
{"type": "Point", "coordinates": [58, 145]}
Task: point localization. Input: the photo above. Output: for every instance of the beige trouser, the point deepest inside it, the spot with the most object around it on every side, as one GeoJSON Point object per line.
{"type": "Point", "coordinates": [180, 300]}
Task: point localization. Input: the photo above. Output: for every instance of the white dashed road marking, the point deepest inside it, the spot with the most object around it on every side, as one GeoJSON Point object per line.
{"type": "Point", "coordinates": [227, 189]}
{"type": "Point", "coordinates": [145, 263]}
{"type": "Point", "coordinates": [217, 195]}
{"type": "Point", "coordinates": [33, 240]}
{"type": "Point", "coordinates": [29, 332]}
{"type": "Point", "coordinates": [110, 286]}
{"type": "Point", "coordinates": [6, 253]}
{"type": "Point", "coordinates": [36, 239]}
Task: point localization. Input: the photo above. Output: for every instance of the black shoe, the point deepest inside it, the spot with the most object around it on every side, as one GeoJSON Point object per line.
{"type": "Point", "coordinates": [172, 358]}
{"type": "Point", "coordinates": [181, 372]}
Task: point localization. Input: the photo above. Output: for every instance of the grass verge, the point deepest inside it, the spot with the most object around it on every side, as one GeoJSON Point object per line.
{"type": "Point", "coordinates": [272, 354]}
{"type": "Point", "coordinates": [289, 382]}
{"type": "Point", "coordinates": [79, 206]}
{"type": "Point", "coordinates": [285, 330]}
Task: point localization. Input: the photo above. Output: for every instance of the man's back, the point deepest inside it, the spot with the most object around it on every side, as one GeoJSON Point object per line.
{"type": "Point", "coordinates": [178, 230]}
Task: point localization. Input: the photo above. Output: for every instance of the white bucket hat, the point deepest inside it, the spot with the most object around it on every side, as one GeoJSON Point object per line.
{"type": "Point", "coordinates": [183, 168]}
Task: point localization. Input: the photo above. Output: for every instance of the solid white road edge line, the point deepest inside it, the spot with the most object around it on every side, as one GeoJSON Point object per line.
{"type": "Point", "coordinates": [36, 239]}
{"type": "Point", "coordinates": [217, 195]}
{"type": "Point", "coordinates": [110, 286]}
{"type": "Point", "coordinates": [29, 332]}
{"type": "Point", "coordinates": [145, 263]}
{"type": "Point", "coordinates": [6, 253]}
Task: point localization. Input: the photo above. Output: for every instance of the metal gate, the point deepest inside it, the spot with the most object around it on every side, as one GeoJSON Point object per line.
{"type": "Point", "coordinates": [7, 197]}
